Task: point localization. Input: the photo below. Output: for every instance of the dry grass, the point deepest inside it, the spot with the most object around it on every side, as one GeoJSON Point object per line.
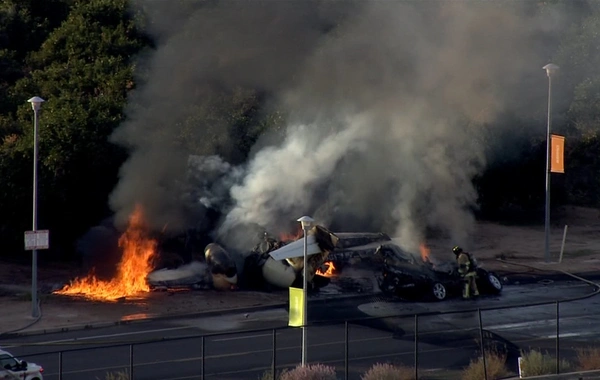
{"type": "Point", "coordinates": [385, 371]}
{"type": "Point", "coordinates": [495, 364]}
{"type": "Point", "coordinates": [534, 363]}
{"type": "Point", "coordinates": [119, 375]}
{"type": "Point", "coordinates": [588, 358]}
{"type": "Point", "coordinates": [310, 372]}
{"type": "Point", "coordinates": [268, 375]}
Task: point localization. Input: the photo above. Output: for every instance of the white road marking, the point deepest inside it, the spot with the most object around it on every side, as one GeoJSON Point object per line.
{"type": "Point", "coordinates": [242, 337]}
{"type": "Point", "coordinates": [509, 326]}
{"type": "Point", "coordinates": [543, 322]}
{"type": "Point", "coordinates": [296, 347]}
{"type": "Point", "coordinates": [107, 336]}
{"type": "Point", "coordinates": [570, 335]}
{"type": "Point", "coordinates": [223, 356]}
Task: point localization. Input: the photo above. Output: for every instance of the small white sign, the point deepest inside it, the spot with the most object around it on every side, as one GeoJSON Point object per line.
{"type": "Point", "coordinates": [37, 240]}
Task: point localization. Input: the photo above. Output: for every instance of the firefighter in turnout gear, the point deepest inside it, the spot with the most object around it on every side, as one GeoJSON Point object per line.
{"type": "Point", "coordinates": [468, 271]}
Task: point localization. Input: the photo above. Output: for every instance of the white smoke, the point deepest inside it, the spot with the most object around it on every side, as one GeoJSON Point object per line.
{"type": "Point", "coordinates": [190, 273]}
{"type": "Point", "coordinates": [399, 95]}
{"type": "Point", "coordinates": [280, 180]}
{"type": "Point", "coordinates": [385, 101]}
{"type": "Point", "coordinates": [209, 180]}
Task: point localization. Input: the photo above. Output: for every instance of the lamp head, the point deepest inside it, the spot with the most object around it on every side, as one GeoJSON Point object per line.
{"type": "Point", "coordinates": [551, 69]}
{"type": "Point", "coordinates": [36, 103]}
{"type": "Point", "coordinates": [307, 222]}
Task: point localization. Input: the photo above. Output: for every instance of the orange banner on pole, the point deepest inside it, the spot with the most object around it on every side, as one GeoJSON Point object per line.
{"type": "Point", "coordinates": [558, 154]}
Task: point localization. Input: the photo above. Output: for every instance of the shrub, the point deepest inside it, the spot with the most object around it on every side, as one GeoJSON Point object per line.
{"type": "Point", "coordinates": [385, 371]}
{"type": "Point", "coordinates": [534, 363]}
{"type": "Point", "coordinates": [119, 375]}
{"type": "Point", "coordinates": [495, 364]}
{"type": "Point", "coordinates": [588, 358]}
{"type": "Point", "coordinates": [268, 375]}
{"type": "Point", "coordinates": [310, 372]}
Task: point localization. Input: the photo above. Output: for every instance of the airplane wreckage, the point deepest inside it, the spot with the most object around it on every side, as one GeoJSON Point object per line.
{"type": "Point", "coordinates": [274, 264]}
{"type": "Point", "coordinates": [270, 264]}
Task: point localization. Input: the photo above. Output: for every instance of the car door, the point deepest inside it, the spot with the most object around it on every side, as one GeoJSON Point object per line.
{"type": "Point", "coordinates": [8, 367]}
{"type": "Point", "coordinates": [400, 267]}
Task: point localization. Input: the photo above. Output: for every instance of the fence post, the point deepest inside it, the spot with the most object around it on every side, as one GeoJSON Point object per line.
{"type": "Point", "coordinates": [60, 365]}
{"type": "Point", "coordinates": [416, 346]}
{"type": "Point", "coordinates": [131, 361]}
{"type": "Point", "coordinates": [274, 364]}
{"type": "Point", "coordinates": [482, 344]}
{"type": "Point", "coordinates": [346, 350]}
{"type": "Point", "coordinates": [557, 337]}
{"type": "Point", "coordinates": [203, 357]}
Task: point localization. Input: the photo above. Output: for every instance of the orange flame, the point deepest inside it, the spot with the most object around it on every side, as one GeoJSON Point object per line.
{"type": "Point", "coordinates": [330, 269]}
{"type": "Point", "coordinates": [130, 279]}
{"type": "Point", "coordinates": [424, 252]}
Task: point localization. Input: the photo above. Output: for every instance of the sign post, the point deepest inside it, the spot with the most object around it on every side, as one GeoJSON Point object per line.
{"type": "Point", "coordinates": [558, 154]}
{"type": "Point", "coordinates": [35, 240]}
{"type": "Point", "coordinates": [296, 318]}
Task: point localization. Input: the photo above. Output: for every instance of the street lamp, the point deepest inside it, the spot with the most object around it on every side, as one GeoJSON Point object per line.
{"type": "Point", "coordinates": [36, 103]}
{"type": "Point", "coordinates": [551, 69]}
{"type": "Point", "coordinates": [307, 223]}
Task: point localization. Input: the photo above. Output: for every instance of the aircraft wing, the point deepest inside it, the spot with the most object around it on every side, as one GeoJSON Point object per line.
{"type": "Point", "coordinates": [296, 249]}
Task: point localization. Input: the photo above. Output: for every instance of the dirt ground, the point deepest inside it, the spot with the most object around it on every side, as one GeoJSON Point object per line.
{"type": "Point", "coordinates": [516, 244]}
{"type": "Point", "coordinates": [525, 244]}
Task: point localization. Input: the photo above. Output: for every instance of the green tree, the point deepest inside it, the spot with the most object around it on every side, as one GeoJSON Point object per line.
{"type": "Point", "coordinates": [227, 123]}
{"type": "Point", "coordinates": [84, 70]}
{"type": "Point", "coordinates": [579, 58]}
{"type": "Point", "coordinates": [24, 25]}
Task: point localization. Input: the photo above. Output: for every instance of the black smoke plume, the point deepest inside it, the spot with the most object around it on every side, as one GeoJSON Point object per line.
{"type": "Point", "coordinates": [384, 102]}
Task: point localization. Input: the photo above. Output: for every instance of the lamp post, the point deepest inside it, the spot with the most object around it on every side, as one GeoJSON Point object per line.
{"type": "Point", "coordinates": [36, 103]}
{"type": "Point", "coordinates": [307, 223]}
{"type": "Point", "coordinates": [551, 69]}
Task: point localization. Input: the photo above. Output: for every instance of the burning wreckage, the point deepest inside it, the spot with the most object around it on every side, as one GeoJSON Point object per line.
{"type": "Point", "coordinates": [277, 264]}
{"type": "Point", "coordinates": [270, 264]}
{"type": "Point", "coordinates": [406, 276]}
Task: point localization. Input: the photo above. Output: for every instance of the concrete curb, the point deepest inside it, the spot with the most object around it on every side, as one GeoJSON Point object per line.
{"type": "Point", "coordinates": [583, 375]}
{"type": "Point", "coordinates": [587, 277]}
{"type": "Point", "coordinates": [98, 325]}
{"type": "Point", "coordinates": [531, 278]}
{"type": "Point", "coordinates": [202, 314]}
{"type": "Point", "coordinates": [521, 278]}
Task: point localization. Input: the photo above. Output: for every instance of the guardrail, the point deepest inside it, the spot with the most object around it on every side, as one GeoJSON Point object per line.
{"type": "Point", "coordinates": [485, 339]}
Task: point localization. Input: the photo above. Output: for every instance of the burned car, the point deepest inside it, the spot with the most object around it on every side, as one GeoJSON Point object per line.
{"type": "Point", "coordinates": [408, 276]}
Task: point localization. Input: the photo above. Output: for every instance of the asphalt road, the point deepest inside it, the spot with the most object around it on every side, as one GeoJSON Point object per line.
{"type": "Point", "coordinates": [445, 340]}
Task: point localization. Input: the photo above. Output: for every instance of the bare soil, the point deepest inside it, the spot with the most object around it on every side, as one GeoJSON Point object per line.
{"type": "Point", "coordinates": [525, 244]}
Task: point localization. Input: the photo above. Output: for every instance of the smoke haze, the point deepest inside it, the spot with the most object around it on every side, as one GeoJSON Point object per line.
{"type": "Point", "coordinates": [385, 105]}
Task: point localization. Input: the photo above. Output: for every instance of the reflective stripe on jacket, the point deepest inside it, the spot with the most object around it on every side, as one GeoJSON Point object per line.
{"type": "Point", "coordinates": [464, 263]}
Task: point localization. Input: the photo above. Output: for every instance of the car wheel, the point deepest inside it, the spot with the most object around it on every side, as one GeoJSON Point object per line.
{"type": "Point", "coordinates": [495, 283]}
{"type": "Point", "coordinates": [438, 291]}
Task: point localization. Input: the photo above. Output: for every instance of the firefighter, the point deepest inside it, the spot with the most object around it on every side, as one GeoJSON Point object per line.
{"type": "Point", "coordinates": [267, 244]}
{"type": "Point", "coordinates": [468, 272]}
